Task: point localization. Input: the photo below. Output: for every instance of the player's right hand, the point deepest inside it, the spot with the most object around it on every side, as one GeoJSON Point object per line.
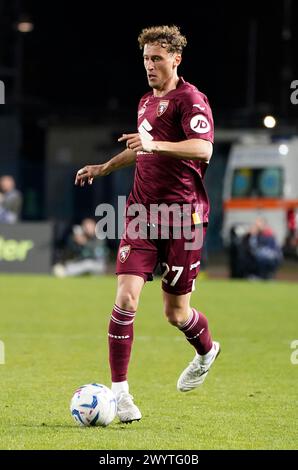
{"type": "Point", "coordinates": [89, 172]}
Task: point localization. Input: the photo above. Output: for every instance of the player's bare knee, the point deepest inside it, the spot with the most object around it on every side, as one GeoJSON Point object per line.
{"type": "Point", "coordinates": [127, 300]}
{"type": "Point", "coordinates": [175, 322]}
{"type": "Point", "coordinates": [176, 317]}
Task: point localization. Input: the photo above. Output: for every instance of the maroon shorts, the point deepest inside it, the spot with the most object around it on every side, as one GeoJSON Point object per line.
{"type": "Point", "coordinates": [180, 264]}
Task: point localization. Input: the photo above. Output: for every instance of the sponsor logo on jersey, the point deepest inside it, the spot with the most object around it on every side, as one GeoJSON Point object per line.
{"type": "Point", "coordinates": [202, 108]}
{"type": "Point", "coordinates": [162, 107]}
{"type": "Point", "coordinates": [143, 109]}
{"type": "Point", "coordinates": [200, 124]}
{"type": "Point", "coordinates": [124, 253]}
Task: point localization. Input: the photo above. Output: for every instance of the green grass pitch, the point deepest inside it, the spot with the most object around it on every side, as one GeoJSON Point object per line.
{"type": "Point", "coordinates": [55, 338]}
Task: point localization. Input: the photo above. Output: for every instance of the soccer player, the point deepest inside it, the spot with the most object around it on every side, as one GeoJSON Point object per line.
{"type": "Point", "coordinates": [171, 150]}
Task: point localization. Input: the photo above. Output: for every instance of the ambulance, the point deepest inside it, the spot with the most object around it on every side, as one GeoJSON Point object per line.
{"type": "Point", "coordinates": [261, 180]}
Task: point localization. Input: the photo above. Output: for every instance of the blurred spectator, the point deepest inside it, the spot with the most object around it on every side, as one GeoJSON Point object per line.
{"type": "Point", "coordinates": [291, 243]}
{"type": "Point", "coordinates": [264, 252]}
{"type": "Point", "coordinates": [254, 254]}
{"type": "Point", "coordinates": [238, 252]}
{"type": "Point", "coordinates": [10, 200]}
{"type": "Point", "coordinates": [87, 254]}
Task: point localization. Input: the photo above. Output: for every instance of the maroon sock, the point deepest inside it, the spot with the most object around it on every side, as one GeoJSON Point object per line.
{"type": "Point", "coordinates": [120, 342]}
{"type": "Point", "coordinates": [197, 333]}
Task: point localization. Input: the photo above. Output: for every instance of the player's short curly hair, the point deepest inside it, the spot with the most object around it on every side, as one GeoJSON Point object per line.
{"type": "Point", "coordinates": [167, 36]}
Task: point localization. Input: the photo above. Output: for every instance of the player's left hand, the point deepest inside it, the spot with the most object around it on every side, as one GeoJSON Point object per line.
{"type": "Point", "coordinates": [137, 142]}
{"type": "Point", "coordinates": [133, 141]}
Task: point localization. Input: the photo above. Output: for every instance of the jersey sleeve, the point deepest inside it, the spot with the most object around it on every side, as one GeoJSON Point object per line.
{"type": "Point", "coordinates": [196, 116]}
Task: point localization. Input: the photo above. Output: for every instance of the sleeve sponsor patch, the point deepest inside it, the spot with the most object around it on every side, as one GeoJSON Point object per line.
{"type": "Point", "coordinates": [200, 124]}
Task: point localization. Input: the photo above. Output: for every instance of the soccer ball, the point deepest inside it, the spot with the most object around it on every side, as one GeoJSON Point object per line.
{"type": "Point", "coordinates": [93, 405]}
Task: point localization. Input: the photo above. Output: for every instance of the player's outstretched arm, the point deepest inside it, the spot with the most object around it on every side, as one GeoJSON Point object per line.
{"type": "Point", "coordinates": [192, 149]}
{"type": "Point", "coordinates": [89, 172]}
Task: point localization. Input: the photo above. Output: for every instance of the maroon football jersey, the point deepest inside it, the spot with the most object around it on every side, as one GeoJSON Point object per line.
{"type": "Point", "coordinates": [183, 113]}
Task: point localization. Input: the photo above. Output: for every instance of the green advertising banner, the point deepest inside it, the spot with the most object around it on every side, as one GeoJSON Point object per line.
{"type": "Point", "coordinates": [26, 247]}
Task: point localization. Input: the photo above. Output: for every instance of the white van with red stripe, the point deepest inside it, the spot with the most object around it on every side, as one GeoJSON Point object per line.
{"type": "Point", "coordinates": [261, 180]}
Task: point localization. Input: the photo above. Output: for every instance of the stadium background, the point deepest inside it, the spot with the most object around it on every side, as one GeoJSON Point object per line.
{"type": "Point", "coordinates": [72, 85]}
{"type": "Point", "coordinates": [80, 71]}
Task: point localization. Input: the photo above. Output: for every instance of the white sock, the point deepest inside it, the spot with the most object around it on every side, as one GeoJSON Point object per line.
{"type": "Point", "coordinates": [207, 357]}
{"type": "Point", "coordinates": [118, 387]}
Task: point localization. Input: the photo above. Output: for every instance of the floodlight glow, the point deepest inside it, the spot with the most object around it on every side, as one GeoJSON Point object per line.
{"type": "Point", "coordinates": [24, 25]}
{"type": "Point", "coordinates": [269, 122]}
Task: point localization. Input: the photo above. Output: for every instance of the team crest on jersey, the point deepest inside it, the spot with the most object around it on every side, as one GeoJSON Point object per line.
{"type": "Point", "coordinates": [124, 253]}
{"type": "Point", "coordinates": [162, 107]}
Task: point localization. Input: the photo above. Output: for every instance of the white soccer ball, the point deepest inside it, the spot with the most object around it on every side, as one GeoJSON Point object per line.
{"type": "Point", "coordinates": [93, 405]}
